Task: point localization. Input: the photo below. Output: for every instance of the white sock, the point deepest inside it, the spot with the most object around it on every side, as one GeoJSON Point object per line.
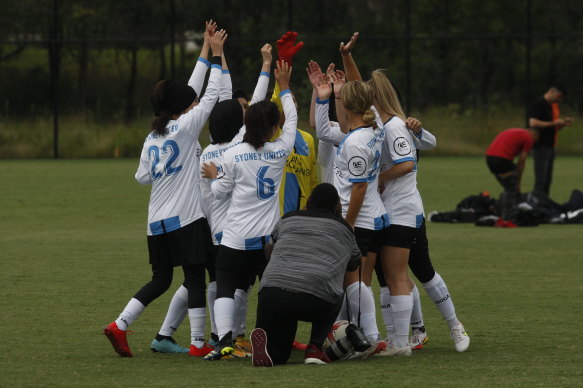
{"type": "Point", "coordinates": [224, 308]}
{"type": "Point", "coordinates": [243, 327]}
{"type": "Point", "coordinates": [211, 295]}
{"type": "Point", "coordinates": [386, 312]}
{"type": "Point", "coordinates": [176, 312]}
{"type": "Point", "coordinates": [416, 314]}
{"type": "Point", "coordinates": [439, 294]}
{"type": "Point", "coordinates": [368, 321]}
{"type": "Point", "coordinates": [240, 311]}
{"type": "Point", "coordinates": [197, 325]}
{"type": "Point", "coordinates": [401, 306]}
{"type": "Point", "coordinates": [133, 310]}
{"type": "Point", "coordinates": [343, 314]}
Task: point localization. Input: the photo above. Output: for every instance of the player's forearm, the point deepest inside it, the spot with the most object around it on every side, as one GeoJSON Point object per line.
{"type": "Point", "coordinates": [356, 200]}
{"type": "Point", "coordinates": [396, 171]}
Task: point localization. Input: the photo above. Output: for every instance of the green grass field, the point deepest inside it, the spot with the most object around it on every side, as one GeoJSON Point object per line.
{"type": "Point", "coordinates": [73, 251]}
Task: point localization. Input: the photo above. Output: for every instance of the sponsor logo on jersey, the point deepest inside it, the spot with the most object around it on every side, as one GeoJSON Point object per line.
{"type": "Point", "coordinates": [357, 165]}
{"type": "Point", "coordinates": [401, 146]}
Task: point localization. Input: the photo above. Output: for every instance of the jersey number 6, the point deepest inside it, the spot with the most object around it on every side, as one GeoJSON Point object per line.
{"type": "Point", "coordinates": [265, 186]}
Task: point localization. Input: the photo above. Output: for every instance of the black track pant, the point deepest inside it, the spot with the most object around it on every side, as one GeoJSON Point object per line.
{"type": "Point", "coordinates": [194, 281]}
{"type": "Point", "coordinates": [279, 311]}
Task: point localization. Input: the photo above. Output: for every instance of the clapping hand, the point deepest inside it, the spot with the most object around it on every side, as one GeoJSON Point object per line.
{"type": "Point", "coordinates": [283, 72]}
{"type": "Point", "coordinates": [217, 41]}
{"type": "Point", "coordinates": [314, 73]}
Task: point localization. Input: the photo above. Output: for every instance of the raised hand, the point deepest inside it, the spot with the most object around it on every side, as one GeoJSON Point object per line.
{"type": "Point", "coordinates": [338, 78]}
{"type": "Point", "coordinates": [266, 53]}
{"type": "Point", "coordinates": [217, 41]}
{"type": "Point", "coordinates": [323, 87]}
{"type": "Point", "coordinates": [287, 47]}
{"type": "Point", "coordinates": [209, 30]}
{"type": "Point", "coordinates": [283, 72]}
{"type": "Point", "coordinates": [345, 49]}
{"type": "Point", "coordinates": [314, 73]}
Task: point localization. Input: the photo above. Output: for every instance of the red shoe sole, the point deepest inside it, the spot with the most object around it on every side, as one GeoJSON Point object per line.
{"type": "Point", "coordinates": [259, 353]}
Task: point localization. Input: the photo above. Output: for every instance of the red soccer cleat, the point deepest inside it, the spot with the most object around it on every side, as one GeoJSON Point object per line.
{"type": "Point", "coordinates": [200, 352]}
{"type": "Point", "coordinates": [118, 339]}
{"type": "Point", "coordinates": [299, 346]}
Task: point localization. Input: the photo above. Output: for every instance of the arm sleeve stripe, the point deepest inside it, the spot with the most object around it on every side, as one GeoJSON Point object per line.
{"type": "Point", "coordinates": [204, 61]}
{"type": "Point", "coordinates": [283, 92]}
{"type": "Point", "coordinates": [323, 102]}
{"type": "Point", "coordinates": [409, 159]}
{"type": "Point", "coordinates": [264, 73]}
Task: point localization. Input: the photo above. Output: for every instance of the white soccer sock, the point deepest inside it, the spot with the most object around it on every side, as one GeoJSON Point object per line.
{"type": "Point", "coordinates": [176, 312]}
{"type": "Point", "coordinates": [197, 325]}
{"type": "Point", "coordinates": [243, 327]}
{"type": "Point", "coordinates": [416, 314]}
{"type": "Point", "coordinates": [401, 306]}
{"type": "Point", "coordinates": [385, 294]}
{"type": "Point", "coordinates": [439, 294]}
{"type": "Point", "coordinates": [343, 314]}
{"type": "Point", "coordinates": [211, 295]}
{"type": "Point", "coordinates": [240, 311]}
{"type": "Point", "coordinates": [368, 321]}
{"type": "Point", "coordinates": [133, 310]}
{"type": "Point", "coordinates": [224, 308]}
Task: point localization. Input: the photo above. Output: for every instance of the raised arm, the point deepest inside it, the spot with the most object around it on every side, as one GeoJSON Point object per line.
{"type": "Point", "coordinates": [202, 64]}
{"type": "Point", "coordinates": [194, 120]}
{"type": "Point", "coordinates": [324, 129]}
{"type": "Point", "coordinates": [350, 68]}
{"type": "Point", "coordinates": [260, 91]}
{"type": "Point", "coordinates": [288, 135]}
{"type": "Point", "coordinates": [226, 92]}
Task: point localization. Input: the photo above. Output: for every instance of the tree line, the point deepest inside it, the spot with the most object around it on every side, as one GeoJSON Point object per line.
{"type": "Point", "coordinates": [107, 54]}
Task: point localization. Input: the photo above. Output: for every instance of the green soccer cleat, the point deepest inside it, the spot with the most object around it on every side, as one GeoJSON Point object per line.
{"type": "Point", "coordinates": [167, 345]}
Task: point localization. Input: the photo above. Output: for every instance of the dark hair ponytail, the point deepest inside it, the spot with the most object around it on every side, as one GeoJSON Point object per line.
{"type": "Point", "coordinates": [260, 119]}
{"type": "Point", "coordinates": [169, 98]}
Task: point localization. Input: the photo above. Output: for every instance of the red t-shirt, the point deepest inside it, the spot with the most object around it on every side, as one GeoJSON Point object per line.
{"type": "Point", "coordinates": [510, 143]}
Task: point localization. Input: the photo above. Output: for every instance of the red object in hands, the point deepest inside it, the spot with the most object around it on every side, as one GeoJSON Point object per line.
{"type": "Point", "coordinates": [287, 47]}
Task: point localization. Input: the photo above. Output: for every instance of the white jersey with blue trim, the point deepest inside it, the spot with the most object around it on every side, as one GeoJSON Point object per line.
{"type": "Point", "coordinates": [254, 178]}
{"type": "Point", "coordinates": [170, 163]}
{"type": "Point", "coordinates": [401, 197]}
{"type": "Point", "coordinates": [358, 160]}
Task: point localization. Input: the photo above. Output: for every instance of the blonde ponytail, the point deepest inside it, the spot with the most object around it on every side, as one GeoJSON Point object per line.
{"type": "Point", "coordinates": [368, 117]}
{"type": "Point", "coordinates": [385, 95]}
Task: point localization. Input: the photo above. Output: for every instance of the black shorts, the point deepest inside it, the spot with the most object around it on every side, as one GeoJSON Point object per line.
{"type": "Point", "coordinates": [498, 165]}
{"type": "Point", "coordinates": [251, 262]}
{"type": "Point", "coordinates": [400, 236]}
{"type": "Point", "coordinates": [185, 246]}
{"type": "Point", "coordinates": [368, 240]}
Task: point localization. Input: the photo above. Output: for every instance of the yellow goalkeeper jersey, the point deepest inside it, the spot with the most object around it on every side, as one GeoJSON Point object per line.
{"type": "Point", "coordinates": [300, 173]}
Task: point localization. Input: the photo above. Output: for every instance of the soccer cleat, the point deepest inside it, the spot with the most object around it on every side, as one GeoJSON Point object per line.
{"type": "Point", "coordinates": [243, 344]}
{"type": "Point", "coordinates": [313, 355]}
{"type": "Point", "coordinates": [376, 348]}
{"type": "Point", "coordinates": [167, 345]}
{"type": "Point", "coordinates": [214, 341]}
{"type": "Point", "coordinates": [118, 339]}
{"type": "Point", "coordinates": [418, 338]}
{"type": "Point", "coordinates": [299, 346]}
{"type": "Point", "coordinates": [391, 350]}
{"type": "Point", "coordinates": [460, 338]}
{"type": "Point", "coordinates": [200, 352]}
{"type": "Point", "coordinates": [259, 354]}
{"type": "Point", "coordinates": [223, 349]}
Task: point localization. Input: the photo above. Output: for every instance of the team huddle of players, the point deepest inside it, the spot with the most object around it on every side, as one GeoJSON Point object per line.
{"type": "Point", "coordinates": [214, 210]}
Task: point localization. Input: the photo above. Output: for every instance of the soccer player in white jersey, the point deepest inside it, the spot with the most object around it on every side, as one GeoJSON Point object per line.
{"type": "Point", "coordinates": [252, 172]}
{"type": "Point", "coordinates": [356, 168]}
{"type": "Point", "coordinates": [225, 122]}
{"type": "Point", "coordinates": [421, 266]}
{"type": "Point", "coordinates": [177, 230]}
{"type": "Point", "coordinates": [403, 203]}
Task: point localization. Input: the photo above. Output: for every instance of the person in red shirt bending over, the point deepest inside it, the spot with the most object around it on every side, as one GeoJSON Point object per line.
{"type": "Point", "coordinates": [500, 160]}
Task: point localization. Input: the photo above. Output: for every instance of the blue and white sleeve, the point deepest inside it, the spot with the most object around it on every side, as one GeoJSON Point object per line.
{"type": "Point", "coordinates": [198, 75]}
{"type": "Point", "coordinates": [325, 129]}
